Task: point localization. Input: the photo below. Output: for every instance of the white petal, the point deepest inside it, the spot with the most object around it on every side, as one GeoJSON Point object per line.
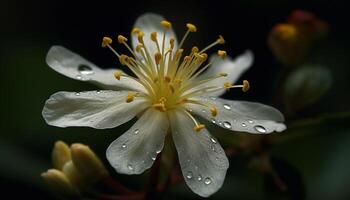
{"type": "Point", "coordinates": [202, 159]}
{"type": "Point", "coordinates": [241, 115]}
{"type": "Point", "coordinates": [74, 66]}
{"type": "Point", "coordinates": [234, 68]}
{"type": "Point", "coordinates": [148, 23]}
{"type": "Point", "coordinates": [97, 109]}
{"type": "Point", "coordinates": [136, 150]}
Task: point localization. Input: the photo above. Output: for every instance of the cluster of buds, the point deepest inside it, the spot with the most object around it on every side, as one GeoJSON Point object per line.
{"type": "Point", "coordinates": [75, 169]}
{"type": "Point", "coordinates": [291, 41]}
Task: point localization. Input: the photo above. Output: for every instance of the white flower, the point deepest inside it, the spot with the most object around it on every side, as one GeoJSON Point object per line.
{"type": "Point", "coordinates": [168, 90]}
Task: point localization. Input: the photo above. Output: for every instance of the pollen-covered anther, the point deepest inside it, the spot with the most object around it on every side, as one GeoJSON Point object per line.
{"type": "Point", "coordinates": [130, 97]}
{"type": "Point", "coordinates": [172, 43]}
{"type": "Point", "coordinates": [221, 40]}
{"type": "Point", "coordinates": [135, 30]}
{"type": "Point", "coordinates": [157, 57]}
{"type": "Point", "coordinates": [106, 41]}
{"type": "Point", "coordinates": [222, 53]}
{"type": "Point", "coordinates": [194, 49]}
{"type": "Point", "coordinates": [187, 58]}
{"type": "Point", "coordinates": [199, 127]}
{"type": "Point", "coordinates": [223, 74]}
{"type": "Point", "coordinates": [191, 27]}
{"type": "Point", "coordinates": [139, 47]}
{"type": "Point", "coordinates": [178, 81]}
{"type": "Point", "coordinates": [154, 36]}
{"type": "Point", "coordinates": [213, 111]}
{"type": "Point", "coordinates": [117, 74]}
{"type": "Point", "coordinates": [123, 59]}
{"type": "Point", "coordinates": [165, 24]}
{"type": "Point", "coordinates": [227, 85]}
{"type": "Point", "coordinates": [159, 106]}
{"type": "Point", "coordinates": [246, 86]}
{"type": "Point", "coordinates": [140, 35]}
{"type": "Point", "coordinates": [167, 79]}
{"type": "Point", "coordinates": [122, 39]}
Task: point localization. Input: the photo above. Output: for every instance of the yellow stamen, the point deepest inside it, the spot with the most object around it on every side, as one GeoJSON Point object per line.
{"type": "Point", "coordinates": [222, 53]}
{"type": "Point", "coordinates": [123, 59]}
{"type": "Point", "coordinates": [223, 74]}
{"type": "Point", "coordinates": [139, 47]}
{"type": "Point", "coordinates": [172, 43]}
{"type": "Point", "coordinates": [213, 111]}
{"type": "Point", "coordinates": [140, 35]}
{"type": "Point", "coordinates": [130, 97]}
{"type": "Point", "coordinates": [172, 89]}
{"type": "Point", "coordinates": [195, 49]}
{"type": "Point", "coordinates": [117, 74]}
{"type": "Point", "coordinates": [191, 27]}
{"type": "Point", "coordinates": [221, 40]}
{"type": "Point", "coordinates": [199, 127]}
{"type": "Point", "coordinates": [122, 39]}
{"type": "Point", "coordinates": [106, 41]}
{"type": "Point", "coordinates": [165, 24]}
{"type": "Point", "coordinates": [154, 36]}
{"type": "Point", "coordinates": [246, 86]}
{"type": "Point", "coordinates": [227, 85]}
{"type": "Point", "coordinates": [135, 31]}
{"type": "Point", "coordinates": [167, 79]}
{"type": "Point", "coordinates": [159, 106]}
{"type": "Point", "coordinates": [157, 57]}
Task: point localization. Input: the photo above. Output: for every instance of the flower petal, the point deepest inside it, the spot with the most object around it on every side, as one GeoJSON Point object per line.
{"type": "Point", "coordinates": [97, 109]}
{"type": "Point", "coordinates": [74, 66]}
{"type": "Point", "coordinates": [241, 115]}
{"type": "Point", "coordinates": [234, 69]}
{"type": "Point", "coordinates": [202, 159]}
{"type": "Point", "coordinates": [148, 23]}
{"type": "Point", "coordinates": [136, 150]}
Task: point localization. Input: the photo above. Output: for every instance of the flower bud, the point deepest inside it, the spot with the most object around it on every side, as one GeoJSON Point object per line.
{"type": "Point", "coordinates": [59, 183]}
{"type": "Point", "coordinates": [60, 155]}
{"type": "Point", "coordinates": [74, 176]}
{"type": "Point", "coordinates": [87, 163]}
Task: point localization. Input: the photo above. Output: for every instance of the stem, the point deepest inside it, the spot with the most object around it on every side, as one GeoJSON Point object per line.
{"type": "Point", "coordinates": [152, 192]}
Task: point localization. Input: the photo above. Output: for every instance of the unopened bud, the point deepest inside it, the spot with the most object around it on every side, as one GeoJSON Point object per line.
{"type": "Point", "coordinates": [59, 183]}
{"type": "Point", "coordinates": [60, 155]}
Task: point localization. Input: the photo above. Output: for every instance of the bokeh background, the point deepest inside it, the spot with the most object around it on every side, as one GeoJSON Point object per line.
{"type": "Point", "coordinates": [313, 155]}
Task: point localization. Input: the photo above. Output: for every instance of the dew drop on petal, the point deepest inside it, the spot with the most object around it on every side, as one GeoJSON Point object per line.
{"type": "Point", "coordinates": [212, 98]}
{"type": "Point", "coordinates": [136, 131]}
{"type": "Point", "coordinates": [130, 167]}
{"type": "Point", "coordinates": [204, 111]}
{"type": "Point", "coordinates": [213, 120]}
{"type": "Point", "coordinates": [207, 181]}
{"type": "Point", "coordinates": [212, 148]}
{"type": "Point", "coordinates": [153, 157]}
{"type": "Point", "coordinates": [199, 178]}
{"type": "Point", "coordinates": [244, 125]}
{"type": "Point", "coordinates": [250, 121]}
{"type": "Point", "coordinates": [227, 124]}
{"type": "Point", "coordinates": [78, 77]}
{"type": "Point", "coordinates": [227, 107]}
{"type": "Point", "coordinates": [77, 93]}
{"type": "Point", "coordinates": [260, 129]}
{"type": "Point", "coordinates": [85, 70]}
{"type": "Point", "coordinates": [124, 145]}
{"type": "Point", "coordinates": [213, 140]}
{"type": "Point", "coordinates": [189, 175]}
{"type": "Point", "coordinates": [98, 91]}
{"type": "Point", "coordinates": [158, 151]}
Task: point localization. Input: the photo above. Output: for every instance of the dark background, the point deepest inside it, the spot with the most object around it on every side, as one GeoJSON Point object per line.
{"type": "Point", "coordinates": [29, 28]}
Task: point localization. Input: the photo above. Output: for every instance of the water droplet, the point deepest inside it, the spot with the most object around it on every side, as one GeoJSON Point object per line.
{"type": "Point", "coordinates": [98, 91]}
{"type": "Point", "coordinates": [227, 125]}
{"type": "Point", "coordinates": [207, 181]}
{"type": "Point", "coordinates": [78, 77]}
{"type": "Point", "coordinates": [250, 121]}
{"type": "Point", "coordinates": [158, 151]}
{"type": "Point", "coordinates": [213, 140]}
{"type": "Point", "coordinates": [77, 93]}
{"type": "Point", "coordinates": [212, 98]}
{"type": "Point", "coordinates": [260, 129]}
{"type": "Point", "coordinates": [227, 107]}
{"type": "Point", "coordinates": [85, 70]}
{"type": "Point", "coordinates": [244, 125]}
{"type": "Point", "coordinates": [189, 175]}
{"type": "Point", "coordinates": [130, 167]}
{"type": "Point", "coordinates": [136, 131]}
{"type": "Point", "coordinates": [124, 145]}
{"type": "Point", "coordinates": [212, 148]}
{"type": "Point", "coordinates": [204, 111]}
{"type": "Point", "coordinates": [213, 120]}
{"type": "Point", "coordinates": [153, 157]}
{"type": "Point", "coordinates": [190, 110]}
{"type": "Point", "coordinates": [199, 178]}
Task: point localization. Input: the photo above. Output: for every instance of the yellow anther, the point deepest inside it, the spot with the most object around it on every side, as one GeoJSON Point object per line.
{"type": "Point", "coordinates": [130, 97]}
{"type": "Point", "coordinates": [117, 74]}
{"type": "Point", "coordinates": [199, 127]}
{"type": "Point", "coordinates": [172, 89]}
{"type": "Point", "coordinates": [227, 85]}
{"type": "Point", "coordinates": [123, 59]}
{"type": "Point", "coordinates": [179, 53]}
{"type": "Point", "coordinates": [122, 39]}
{"type": "Point", "coordinates": [191, 27]}
{"type": "Point", "coordinates": [246, 86]}
{"type": "Point", "coordinates": [157, 57]}
{"type": "Point", "coordinates": [129, 60]}
{"type": "Point", "coordinates": [204, 56]}
{"type": "Point", "coordinates": [154, 36]}
{"type": "Point", "coordinates": [167, 79]}
{"type": "Point", "coordinates": [195, 49]}
{"type": "Point", "coordinates": [140, 35]}
{"type": "Point", "coordinates": [187, 58]}
{"type": "Point", "coordinates": [221, 40]}
{"type": "Point", "coordinates": [223, 74]}
{"type": "Point", "coordinates": [135, 31]}
{"type": "Point", "coordinates": [172, 43]}
{"type": "Point", "coordinates": [139, 47]}
{"type": "Point", "coordinates": [213, 111]}
{"type": "Point", "coordinates": [222, 53]}
{"type": "Point", "coordinates": [159, 106]}
{"type": "Point", "coordinates": [165, 24]}
{"type": "Point", "coordinates": [178, 81]}
{"type": "Point", "coordinates": [106, 41]}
